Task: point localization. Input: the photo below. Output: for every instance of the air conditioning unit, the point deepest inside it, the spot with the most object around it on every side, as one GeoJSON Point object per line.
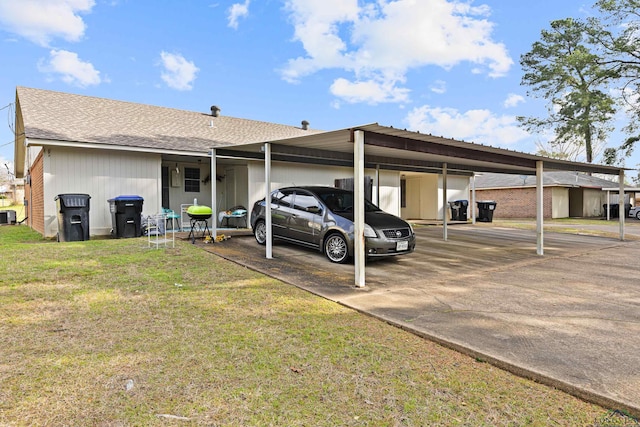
{"type": "Point", "coordinates": [7, 217]}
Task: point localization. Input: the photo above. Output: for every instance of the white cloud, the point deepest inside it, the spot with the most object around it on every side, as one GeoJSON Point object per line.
{"type": "Point", "coordinates": [383, 40]}
{"type": "Point", "coordinates": [178, 73]}
{"type": "Point", "coordinates": [480, 126]}
{"type": "Point", "coordinates": [42, 20]}
{"type": "Point", "coordinates": [439, 87]}
{"type": "Point", "coordinates": [237, 11]}
{"type": "Point", "coordinates": [369, 91]}
{"type": "Point", "coordinates": [513, 100]}
{"type": "Point", "coordinates": [72, 69]}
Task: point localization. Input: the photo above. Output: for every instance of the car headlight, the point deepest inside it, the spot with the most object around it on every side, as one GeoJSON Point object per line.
{"type": "Point", "coordinates": [369, 232]}
{"type": "Point", "coordinates": [411, 228]}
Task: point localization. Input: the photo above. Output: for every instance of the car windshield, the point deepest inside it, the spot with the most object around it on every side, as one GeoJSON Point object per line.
{"type": "Point", "coordinates": [342, 202]}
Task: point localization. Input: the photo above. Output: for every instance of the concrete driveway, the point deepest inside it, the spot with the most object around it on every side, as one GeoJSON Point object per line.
{"type": "Point", "coordinates": [570, 319]}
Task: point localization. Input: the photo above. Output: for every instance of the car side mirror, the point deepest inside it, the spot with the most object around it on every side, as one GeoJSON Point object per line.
{"type": "Point", "coordinates": [314, 209]}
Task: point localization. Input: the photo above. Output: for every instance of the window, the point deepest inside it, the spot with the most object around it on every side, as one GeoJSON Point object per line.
{"type": "Point", "coordinates": [283, 199]}
{"type": "Point", "coordinates": [306, 203]}
{"type": "Point", "coordinates": [191, 180]}
{"type": "Point", "coordinates": [403, 193]}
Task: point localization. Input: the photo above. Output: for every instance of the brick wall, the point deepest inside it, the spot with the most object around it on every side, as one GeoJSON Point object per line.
{"type": "Point", "coordinates": [516, 203]}
{"type": "Point", "coordinates": [34, 193]}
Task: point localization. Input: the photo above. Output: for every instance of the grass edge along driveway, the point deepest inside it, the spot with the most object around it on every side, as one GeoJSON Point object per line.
{"type": "Point", "coordinates": [109, 332]}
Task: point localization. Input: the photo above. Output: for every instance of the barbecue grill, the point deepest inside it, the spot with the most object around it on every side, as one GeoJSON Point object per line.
{"type": "Point", "coordinates": [199, 215]}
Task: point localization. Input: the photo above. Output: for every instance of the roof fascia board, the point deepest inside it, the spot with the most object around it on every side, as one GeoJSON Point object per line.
{"type": "Point", "coordinates": [71, 144]}
{"type": "Point", "coordinates": [551, 164]}
{"type": "Point", "coordinates": [375, 135]}
{"type": "Point", "coordinates": [391, 141]}
{"type": "Point", "coordinates": [297, 153]}
{"type": "Point", "coordinates": [519, 187]}
{"type": "Point", "coordinates": [626, 189]}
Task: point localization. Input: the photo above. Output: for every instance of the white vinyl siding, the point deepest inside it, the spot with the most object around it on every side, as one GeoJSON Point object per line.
{"type": "Point", "coordinates": [424, 195]}
{"type": "Point", "coordinates": [103, 175]}
{"type": "Point", "coordinates": [560, 202]}
{"type": "Point", "coordinates": [292, 174]}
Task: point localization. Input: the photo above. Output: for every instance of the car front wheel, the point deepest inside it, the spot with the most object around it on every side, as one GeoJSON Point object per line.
{"type": "Point", "coordinates": [335, 248]}
{"type": "Point", "coordinates": [260, 232]}
{"type": "Point", "coordinates": [638, 215]}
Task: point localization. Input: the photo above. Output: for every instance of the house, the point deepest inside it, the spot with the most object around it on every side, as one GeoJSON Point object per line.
{"type": "Point", "coordinates": [68, 143]}
{"type": "Point", "coordinates": [566, 194]}
{"type": "Point", "coordinates": [11, 192]}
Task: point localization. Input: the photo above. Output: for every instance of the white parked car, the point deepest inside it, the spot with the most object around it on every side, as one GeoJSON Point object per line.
{"type": "Point", "coordinates": [634, 212]}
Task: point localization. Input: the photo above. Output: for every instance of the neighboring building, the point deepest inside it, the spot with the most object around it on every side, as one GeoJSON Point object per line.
{"type": "Point", "coordinates": [566, 194]}
{"type": "Point", "coordinates": [68, 143]}
{"type": "Point", "coordinates": [12, 192]}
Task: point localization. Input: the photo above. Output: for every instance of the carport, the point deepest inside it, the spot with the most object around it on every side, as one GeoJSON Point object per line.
{"type": "Point", "coordinates": [386, 148]}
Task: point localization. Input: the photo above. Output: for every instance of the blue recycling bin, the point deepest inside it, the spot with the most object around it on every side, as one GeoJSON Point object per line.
{"type": "Point", "coordinates": [459, 210]}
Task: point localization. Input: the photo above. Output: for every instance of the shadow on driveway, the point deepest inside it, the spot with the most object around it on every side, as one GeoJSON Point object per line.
{"type": "Point", "coordinates": [570, 319]}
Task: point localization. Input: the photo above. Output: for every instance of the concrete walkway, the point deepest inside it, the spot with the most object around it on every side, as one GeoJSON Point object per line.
{"type": "Point", "coordinates": [570, 319]}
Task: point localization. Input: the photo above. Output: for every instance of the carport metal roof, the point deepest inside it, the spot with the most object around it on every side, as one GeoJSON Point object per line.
{"type": "Point", "coordinates": [397, 149]}
{"type": "Point", "coordinates": [375, 146]}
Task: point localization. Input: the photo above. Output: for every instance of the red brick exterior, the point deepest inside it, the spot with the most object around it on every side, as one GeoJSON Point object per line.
{"type": "Point", "coordinates": [34, 194]}
{"type": "Point", "coordinates": [516, 203]}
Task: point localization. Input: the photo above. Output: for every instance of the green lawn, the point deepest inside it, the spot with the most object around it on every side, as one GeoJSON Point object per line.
{"type": "Point", "coordinates": [109, 332]}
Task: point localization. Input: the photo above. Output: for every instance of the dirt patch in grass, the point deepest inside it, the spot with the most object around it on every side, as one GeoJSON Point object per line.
{"type": "Point", "coordinates": [112, 333]}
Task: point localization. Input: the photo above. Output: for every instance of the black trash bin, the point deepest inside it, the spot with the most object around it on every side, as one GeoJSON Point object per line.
{"type": "Point", "coordinates": [485, 210]}
{"type": "Point", "coordinates": [126, 216]}
{"type": "Point", "coordinates": [73, 217]}
{"type": "Point", "coordinates": [614, 210]}
{"type": "Point", "coordinates": [459, 210]}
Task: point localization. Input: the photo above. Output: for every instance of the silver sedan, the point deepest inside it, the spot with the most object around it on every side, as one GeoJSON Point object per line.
{"type": "Point", "coordinates": [322, 218]}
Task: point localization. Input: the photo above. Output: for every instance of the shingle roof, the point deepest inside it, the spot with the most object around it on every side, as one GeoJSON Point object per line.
{"type": "Point", "coordinates": [551, 178]}
{"type": "Point", "coordinates": [58, 116]}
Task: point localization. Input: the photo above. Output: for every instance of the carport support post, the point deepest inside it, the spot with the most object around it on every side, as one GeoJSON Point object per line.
{"type": "Point", "coordinates": [358, 207]}
{"type": "Point", "coordinates": [377, 185]}
{"type": "Point", "coordinates": [214, 192]}
{"type": "Point", "coordinates": [622, 213]}
{"type": "Point", "coordinates": [473, 199]}
{"type": "Point", "coordinates": [444, 202]}
{"type": "Point", "coordinates": [539, 208]}
{"type": "Point", "coordinates": [267, 200]}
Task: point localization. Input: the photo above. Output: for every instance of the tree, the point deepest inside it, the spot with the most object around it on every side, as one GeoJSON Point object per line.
{"type": "Point", "coordinates": [562, 69]}
{"type": "Point", "coordinates": [615, 35]}
{"type": "Point", "coordinates": [569, 150]}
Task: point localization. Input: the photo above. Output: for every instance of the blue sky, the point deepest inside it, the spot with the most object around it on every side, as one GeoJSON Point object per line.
{"type": "Point", "coordinates": [448, 68]}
